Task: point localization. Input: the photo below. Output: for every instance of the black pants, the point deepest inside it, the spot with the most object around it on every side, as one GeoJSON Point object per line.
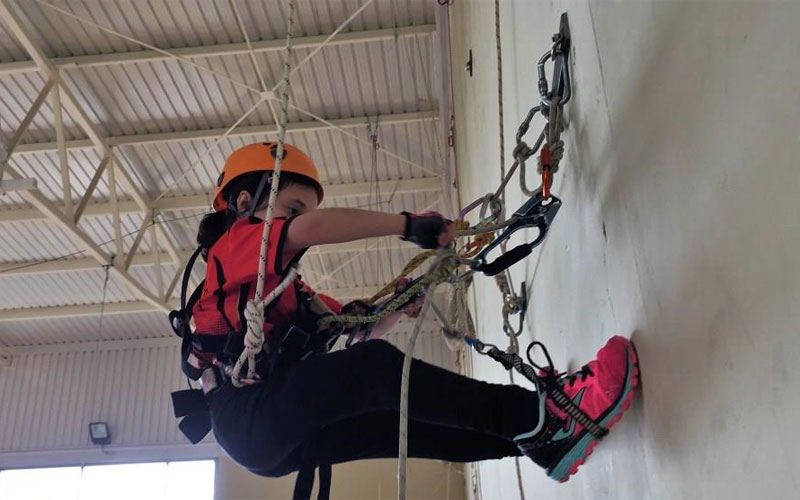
{"type": "Point", "coordinates": [344, 406]}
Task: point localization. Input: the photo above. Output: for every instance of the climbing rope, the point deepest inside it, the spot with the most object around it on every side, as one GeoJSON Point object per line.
{"type": "Point", "coordinates": [456, 325]}
{"type": "Point", "coordinates": [254, 312]}
{"type": "Point", "coordinates": [444, 257]}
{"type": "Point", "coordinates": [440, 272]}
{"type": "Point", "coordinates": [412, 265]}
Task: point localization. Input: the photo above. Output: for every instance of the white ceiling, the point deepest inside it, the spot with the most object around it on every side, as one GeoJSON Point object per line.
{"type": "Point", "coordinates": [164, 117]}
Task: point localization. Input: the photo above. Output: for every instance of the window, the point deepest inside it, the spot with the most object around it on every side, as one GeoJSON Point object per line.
{"type": "Point", "coordinates": [157, 481]}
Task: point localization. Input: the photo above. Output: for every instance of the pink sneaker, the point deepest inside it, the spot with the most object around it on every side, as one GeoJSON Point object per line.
{"type": "Point", "coordinates": [580, 408]}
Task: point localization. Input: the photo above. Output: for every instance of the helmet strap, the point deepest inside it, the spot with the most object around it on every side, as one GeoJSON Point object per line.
{"type": "Point", "coordinates": [266, 179]}
{"type": "Point", "coordinates": [233, 207]}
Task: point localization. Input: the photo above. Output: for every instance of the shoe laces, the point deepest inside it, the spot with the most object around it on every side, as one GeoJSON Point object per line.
{"type": "Point", "coordinates": [585, 371]}
{"type": "Point", "coordinates": [547, 382]}
{"type": "Point", "coordinates": [545, 373]}
{"type": "Point", "coordinates": [548, 373]}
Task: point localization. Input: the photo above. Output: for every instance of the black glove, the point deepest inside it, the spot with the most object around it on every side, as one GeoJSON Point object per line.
{"type": "Point", "coordinates": [424, 229]}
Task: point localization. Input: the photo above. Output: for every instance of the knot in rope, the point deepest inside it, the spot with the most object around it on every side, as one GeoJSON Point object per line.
{"type": "Point", "coordinates": [254, 314]}
{"type": "Point", "coordinates": [253, 343]}
{"type": "Point", "coordinates": [522, 152]}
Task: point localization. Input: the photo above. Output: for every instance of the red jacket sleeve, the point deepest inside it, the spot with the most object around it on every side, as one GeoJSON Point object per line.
{"type": "Point", "coordinates": [329, 301]}
{"type": "Point", "coordinates": [334, 304]}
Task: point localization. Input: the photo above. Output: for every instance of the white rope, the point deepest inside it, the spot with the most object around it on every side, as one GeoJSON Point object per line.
{"type": "Point", "coordinates": [330, 37]}
{"type": "Point", "coordinates": [250, 50]}
{"type": "Point", "coordinates": [402, 464]}
{"type": "Point", "coordinates": [263, 96]}
{"type": "Point", "coordinates": [208, 151]}
{"type": "Point", "coordinates": [362, 141]}
{"type": "Point", "coordinates": [255, 319]}
{"type": "Point", "coordinates": [254, 338]}
{"type": "Point", "coordinates": [147, 45]}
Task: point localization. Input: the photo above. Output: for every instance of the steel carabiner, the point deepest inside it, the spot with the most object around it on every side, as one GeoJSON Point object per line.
{"type": "Point", "coordinates": [537, 212]}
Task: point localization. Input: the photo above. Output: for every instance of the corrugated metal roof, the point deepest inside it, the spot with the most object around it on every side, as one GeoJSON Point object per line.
{"type": "Point", "coordinates": [357, 80]}
{"type": "Point", "coordinates": [85, 329]}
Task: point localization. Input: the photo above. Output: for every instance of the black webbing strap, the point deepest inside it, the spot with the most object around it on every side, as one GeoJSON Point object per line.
{"type": "Point", "coordinates": [179, 320]}
{"type": "Point", "coordinates": [551, 388]}
{"type": "Point", "coordinates": [187, 273]}
{"type": "Point", "coordinates": [325, 476]}
{"type": "Point", "coordinates": [305, 482]}
{"type": "Point", "coordinates": [196, 426]}
{"type": "Point", "coordinates": [221, 293]}
{"type": "Point", "coordinates": [192, 407]}
{"type": "Point", "coordinates": [188, 401]}
{"type": "Point", "coordinates": [266, 178]}
{"type": "Point", "coordinates": [305, 476]}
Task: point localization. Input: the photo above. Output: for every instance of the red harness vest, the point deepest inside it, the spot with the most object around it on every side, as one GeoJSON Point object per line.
{"type": "Point", "coordinates": [231, 273]}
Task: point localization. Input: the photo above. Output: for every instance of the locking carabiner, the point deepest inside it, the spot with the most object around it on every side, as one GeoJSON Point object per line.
{"type": "Point", "coordinates": [562, 87]}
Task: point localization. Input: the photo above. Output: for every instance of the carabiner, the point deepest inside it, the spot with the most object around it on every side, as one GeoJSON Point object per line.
{"type": "Point", "coordinates": [538, 212]}
{"type": "Point", "coordinates": [559, 54]}
{"type": "Point", "coordinates": [521, 309]}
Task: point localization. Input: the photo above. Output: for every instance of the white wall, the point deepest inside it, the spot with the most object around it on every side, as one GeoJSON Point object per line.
{"type": "Point", "coordinates": [50, 394]}
{"type": "Point", "coordinates": [46, 404]}
{"type": "Point", "coordinates": [683, 144]}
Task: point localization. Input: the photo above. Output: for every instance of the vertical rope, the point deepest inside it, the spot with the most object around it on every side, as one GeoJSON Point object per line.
{"type": "Point", "coordinates": [499, 86]}
{"type": "Point", "coordinates": [402, 465]}
{"type": "Point", "coordinates": [503, 173]}
{"type": "Point", "coordinates": [254, 339]}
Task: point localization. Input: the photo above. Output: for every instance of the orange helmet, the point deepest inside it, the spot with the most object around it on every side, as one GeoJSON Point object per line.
{"type": "Point", "coordinates": [260, 157]}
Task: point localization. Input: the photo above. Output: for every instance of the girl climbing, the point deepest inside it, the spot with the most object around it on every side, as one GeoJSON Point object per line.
{"type": "Point", "coordinates": [310, 407]}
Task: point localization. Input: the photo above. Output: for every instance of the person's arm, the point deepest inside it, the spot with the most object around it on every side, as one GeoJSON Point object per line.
{"type": "Point", "coordinates": [385, 325]}
{"type": "Point", "coordinates": [340, 225]}
{"type": "Point", "coordinates": [411, 310]}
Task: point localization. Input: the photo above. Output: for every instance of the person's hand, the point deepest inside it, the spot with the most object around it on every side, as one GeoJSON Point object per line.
{"type": "Point", "coordinates": [428, 230]}
{"type": "Point", "coordinates": [447, 236]}
{"type": "Point", "coordinates": [413, 308]}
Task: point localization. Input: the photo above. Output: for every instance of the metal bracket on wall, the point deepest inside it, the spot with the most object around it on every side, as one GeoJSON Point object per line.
{"type": "Point", "coordinates": [468, 66]}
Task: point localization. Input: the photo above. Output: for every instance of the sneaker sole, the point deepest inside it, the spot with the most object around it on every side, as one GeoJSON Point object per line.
{"type": "Point", "coordinates": [576, 456]}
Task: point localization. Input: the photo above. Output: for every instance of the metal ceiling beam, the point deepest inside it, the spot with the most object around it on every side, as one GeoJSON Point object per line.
{"type": "Point", "coordinates": [214, 133]}
{"type": "Point", "coordinates": [14, 24]}
{"type": "Point", "coordinates": [137, 306]}
{"type": "Point", "coordinates": [202, 202]}
{"type": "Point", "coordinates": [7, 149]}
{"type": "Point", "coordinates": [53, 213]}
{"type": "Point", "coordinates": [221, 50]}
{"type": "Point", "coordinates": [25, 267]}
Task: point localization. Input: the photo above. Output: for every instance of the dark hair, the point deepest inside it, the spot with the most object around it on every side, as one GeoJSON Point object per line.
{"type": "Point", "coordinates": [215, 224]}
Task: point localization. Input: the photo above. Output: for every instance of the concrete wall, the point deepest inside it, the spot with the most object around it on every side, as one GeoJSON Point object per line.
{"type": "Point", "coordinates": [679, 228]}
